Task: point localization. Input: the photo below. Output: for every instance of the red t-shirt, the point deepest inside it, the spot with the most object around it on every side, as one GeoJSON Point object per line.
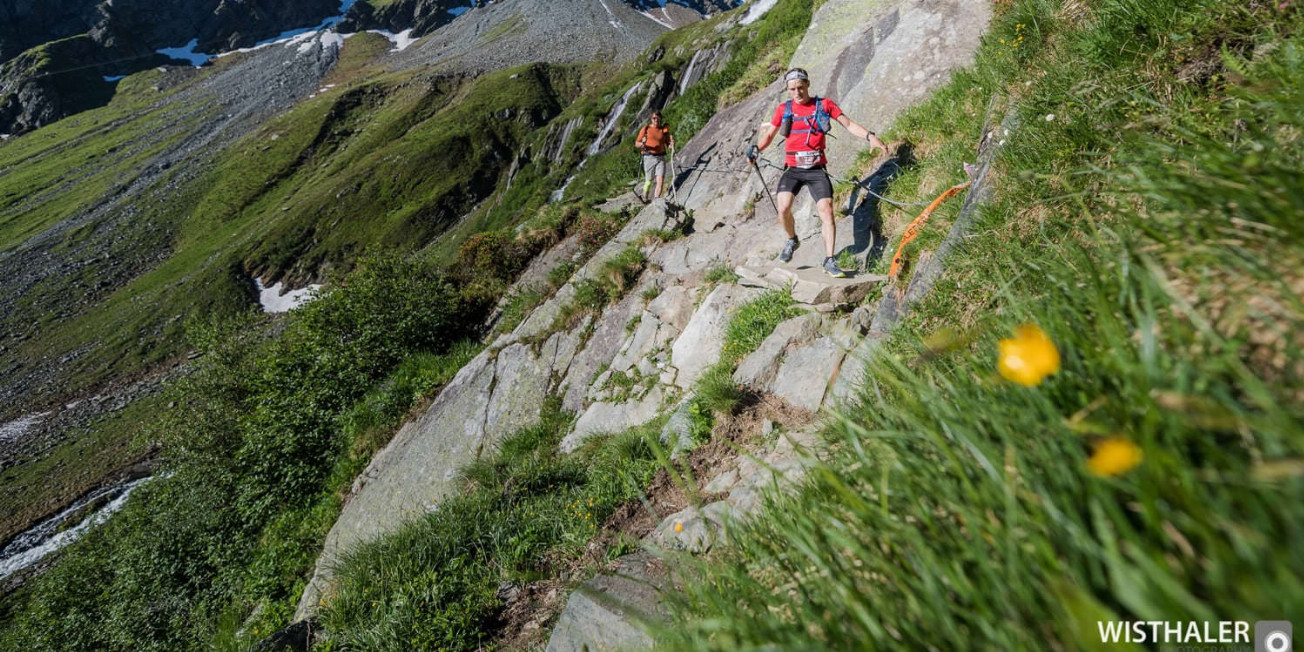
{"type": "Point", "coordinates": [803, 115]}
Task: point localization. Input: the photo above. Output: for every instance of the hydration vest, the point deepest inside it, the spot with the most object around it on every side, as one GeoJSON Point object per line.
{"type": "Point", "coordinates": [818, 123]}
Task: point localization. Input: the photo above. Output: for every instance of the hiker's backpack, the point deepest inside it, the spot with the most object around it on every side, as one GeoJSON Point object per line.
{"type": "Point", "coordinates": [818, 123]}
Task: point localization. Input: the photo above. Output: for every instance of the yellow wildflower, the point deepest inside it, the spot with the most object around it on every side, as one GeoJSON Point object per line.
{"type": "Point", "coordinates": [1114, 456]}
{"type": "Point", "coordinates": [1028, 357]}
{"type": "Point", "coordinates": [679, 527]}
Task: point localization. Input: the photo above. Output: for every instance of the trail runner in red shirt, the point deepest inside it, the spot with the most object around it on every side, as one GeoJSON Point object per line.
{"type": "Point", "coordinates": [805, 160]}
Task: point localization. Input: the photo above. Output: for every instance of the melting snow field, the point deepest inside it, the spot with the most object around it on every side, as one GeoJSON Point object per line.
{"type": "Point", "coordinates": [30, 546]}
{"type": "Point", "coordinates": [400, 40]}
{"type": "Point", "coordinates": [275, 299]}
{"type": "Point", "coordinates": [303, 37]}
{"type": "Point", "coordinates": [14, 429]}
{"type": "Point", "coordinates": [187, 53]}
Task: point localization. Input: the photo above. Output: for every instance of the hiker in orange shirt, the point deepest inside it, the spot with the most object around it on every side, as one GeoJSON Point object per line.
{"type": "Point", "coordinates": [652, 141]}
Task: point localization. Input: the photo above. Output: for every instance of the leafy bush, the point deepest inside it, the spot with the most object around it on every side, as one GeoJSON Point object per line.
{"type": "Point", "coordinates": [262, 437]}
{"type": "Point", "coordinates": [493, 253]}
{"type": "Point", "coordinates": [595, 229]}
{"type": "Point", "coordinates": [334, 349]}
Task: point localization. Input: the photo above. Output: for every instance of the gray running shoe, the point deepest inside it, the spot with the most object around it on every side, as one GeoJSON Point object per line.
{"type": "Point", "coordinates": [831, 268]}
{"type": "Point", "coordinates": [788, 248]}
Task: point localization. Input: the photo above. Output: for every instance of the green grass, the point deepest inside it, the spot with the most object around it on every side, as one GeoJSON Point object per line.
{"type": "Point", "coordinates": [519, 305]}
{"type": "Point", "coordinates": [754, 321]}
{"type": "Point", "coordinates": [1123, 227]}
{"type": "Point", "coordinates": [73, 467]}
{"type": "Point", "coordinates": [716, 394]}
{"type": "Point", "coordinates": [38, 169]}
{"type": "Point", "coordinates": [721, 274]}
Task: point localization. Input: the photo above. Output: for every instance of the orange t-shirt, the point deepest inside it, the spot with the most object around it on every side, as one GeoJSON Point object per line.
{"type": "Point", "coordinates": [655, 138]}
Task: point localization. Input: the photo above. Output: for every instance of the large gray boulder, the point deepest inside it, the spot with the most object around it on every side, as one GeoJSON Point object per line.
{"type": "Point", "coordinates": [876, 57]}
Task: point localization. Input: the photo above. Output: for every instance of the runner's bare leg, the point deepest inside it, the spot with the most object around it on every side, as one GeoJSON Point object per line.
{"type": "Point", "coordinates": [825, 208]}
{"type": "Point", "coordinates": [784, 200]}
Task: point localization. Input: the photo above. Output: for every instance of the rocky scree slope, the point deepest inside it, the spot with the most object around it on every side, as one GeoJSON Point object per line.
{"type": "Point", "coordinates": [675, 336]}
{"type": "Point", "coordinates": [424, 16]}
{"type": "Point", "coordinates": [56, 54]}
{"type": "Point", "coordinates": [132, 26]}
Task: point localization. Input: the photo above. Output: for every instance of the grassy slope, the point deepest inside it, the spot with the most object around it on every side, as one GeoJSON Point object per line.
{"type": "Point", "coordinates": [1138, 224]}
{"type": "Point", "coordinates": [269, 205]}
{"type": "Point", "coordinates": [309, 192]}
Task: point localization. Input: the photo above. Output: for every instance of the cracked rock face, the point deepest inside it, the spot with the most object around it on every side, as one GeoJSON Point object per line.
{"type": "Point", "coordinates": [876, 58]}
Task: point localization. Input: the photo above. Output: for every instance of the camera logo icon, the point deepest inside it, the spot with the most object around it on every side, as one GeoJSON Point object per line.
{"type": "Point", "coordinates": [1273, 636]}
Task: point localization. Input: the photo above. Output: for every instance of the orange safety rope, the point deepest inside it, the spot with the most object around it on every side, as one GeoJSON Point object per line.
{"type": "Point", "coordinates": [916, 226]}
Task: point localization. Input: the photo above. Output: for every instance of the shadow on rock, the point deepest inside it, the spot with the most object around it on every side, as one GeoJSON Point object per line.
{"type": "Point", "coordinates": [868, 242]}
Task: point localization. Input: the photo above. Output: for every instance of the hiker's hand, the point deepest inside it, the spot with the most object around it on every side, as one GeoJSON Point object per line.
{"type": "Point", "coordinates": [753, 153]}
{"type": "Point", "coordinates": [875, 142]}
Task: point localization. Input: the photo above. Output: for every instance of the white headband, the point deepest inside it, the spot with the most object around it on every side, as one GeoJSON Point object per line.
{"type": "Point", "coordinates": [795, 75]}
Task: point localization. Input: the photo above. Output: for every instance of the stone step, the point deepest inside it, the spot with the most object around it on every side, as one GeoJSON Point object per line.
{"type": "Point", "coordinates": [810, 285]}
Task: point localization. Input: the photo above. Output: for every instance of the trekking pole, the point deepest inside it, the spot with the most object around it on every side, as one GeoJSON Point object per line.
{"type": "Point", "coordinates": [765, 187]}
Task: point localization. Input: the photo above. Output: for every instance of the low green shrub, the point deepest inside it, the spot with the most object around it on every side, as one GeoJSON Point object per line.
{"type": "Point", "coordinates": [262, 437]}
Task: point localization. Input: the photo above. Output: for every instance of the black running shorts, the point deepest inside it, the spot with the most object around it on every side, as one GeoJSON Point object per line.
{"type": "Point", "coordinates": [818, 180]}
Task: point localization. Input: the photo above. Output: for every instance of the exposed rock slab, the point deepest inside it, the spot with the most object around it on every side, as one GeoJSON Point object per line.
{"type": "Point", "coordinates": [699, 346]}
{"type": "Point", "coordinates": [607, 612]}
{"type": "Point", "coordinates": [521, 382]}
{"type": "Point", "coordinates": [759, 368]}
{"type": "Point", "coordinates": [613, 418]}
{"type": "Point", "coordinates": [811, 286]}
{"type": "Point", "coordinates": [806, 373]}
{"type": "Point", "coordinates": [411, 474]}
{"type": "Point", "coordinates": [876, 57]}
{"type": "Point", "coordinates": [602, 346]}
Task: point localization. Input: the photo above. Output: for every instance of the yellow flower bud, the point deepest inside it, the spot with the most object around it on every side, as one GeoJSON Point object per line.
{"type": "Point", "coordinates": [1114, 456]}
{"type": "Point", "coordinates": [1028, 357]}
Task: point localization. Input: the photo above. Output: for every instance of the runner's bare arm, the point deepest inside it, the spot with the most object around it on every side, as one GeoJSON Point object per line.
{"type": "Point", "coordinates": [767, 136]}
{"type": "Point", "coordinates": [861, 132]}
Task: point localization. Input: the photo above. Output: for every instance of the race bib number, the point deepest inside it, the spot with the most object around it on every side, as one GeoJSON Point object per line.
{"type": "Point", "coordinates": [807, 159]}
